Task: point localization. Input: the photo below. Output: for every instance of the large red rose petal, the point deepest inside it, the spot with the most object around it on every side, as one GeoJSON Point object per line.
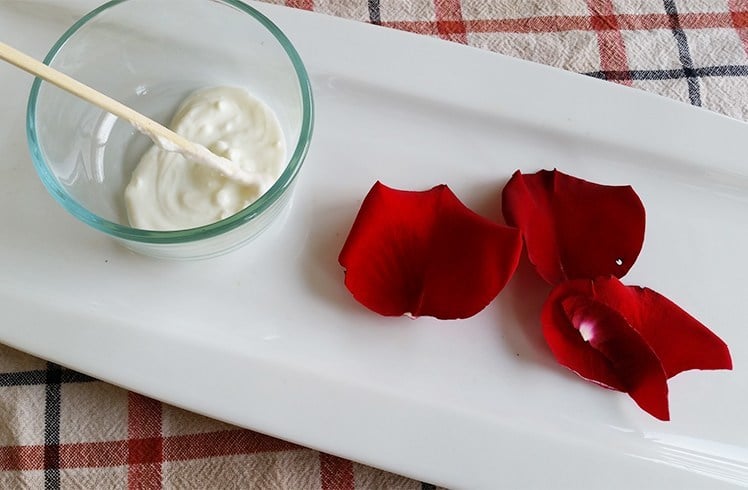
{"type": "Point", "coordinates": [573, 228]}
{"type": "Point", "coordinates": [426, 254]}
{"type": "Point", "coordinates": [627, 338]}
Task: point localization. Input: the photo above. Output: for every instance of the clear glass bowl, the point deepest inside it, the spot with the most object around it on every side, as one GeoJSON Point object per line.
{"type": "Point", "coordinates": [150, 54]}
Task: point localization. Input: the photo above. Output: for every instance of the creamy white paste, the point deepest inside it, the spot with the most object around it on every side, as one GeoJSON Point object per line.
{"type": "Point", "coordinates": [168, 191]}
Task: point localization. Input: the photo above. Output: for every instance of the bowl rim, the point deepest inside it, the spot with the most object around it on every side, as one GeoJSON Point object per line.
{"type": "Point", "coordinates": [255, 209]}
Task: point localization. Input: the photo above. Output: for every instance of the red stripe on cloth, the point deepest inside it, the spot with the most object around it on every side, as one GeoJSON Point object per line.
{"type": "Point", "coordinates": [530, 24]}
{"type": "Point", "coordinates": [739, 19]}
{"type": "Point", "coordinates": [144, 452]}
{"type": "Point", "coordinates": [300, 4]}
{"type": "Point", "coordinates": [626, 22]}
{"type": "Point", "coordinates": [336, 473]}
{"type": "Point", "coordinates": [78, 455]}
{"type": "Point", "coordinates": [21, 458]}
{"type": "Point", "coordinates": [449, 22]}
{"type": "Point", "coordinates": [145, 443]}
{"type": "Point", "coordinates": [516, 26]}
{"type": "Point", "coordinates": [94, 454]}
{"type": "Point", "coordinates": [645, 22]}
{"type": "Point", "coordinates": [609, 39]}
{"type": "Point", "coordinates": [222, 443]}
{"type": "Point", "coordinates": [416, 26]}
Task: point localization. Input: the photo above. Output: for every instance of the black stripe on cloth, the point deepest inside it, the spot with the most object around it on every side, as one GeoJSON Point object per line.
{"type": "Point", "coordinates": [52, 427]}
{"type": "Point", "coordinates": [722, 71]}
{"type": "Point", "coordinates": [707, 71]}
{"type": "Point", "coordinates": [427, 486]}
{"type": "Point", "coordinates": [637, 74]}
{"type": "Point", "coordinates": [29, 378]}
{"type": "Point", "coordinates": [375, 14]}
{"type": "Point", "coordinates": [684, 53]}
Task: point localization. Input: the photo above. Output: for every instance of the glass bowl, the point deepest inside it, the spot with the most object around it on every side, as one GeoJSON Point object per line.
{"type": "Point", "coordinates": [150, 54]}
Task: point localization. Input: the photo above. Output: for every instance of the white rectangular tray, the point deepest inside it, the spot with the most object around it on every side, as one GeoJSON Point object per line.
{"type": "Point", "coordinates": [268, 337]}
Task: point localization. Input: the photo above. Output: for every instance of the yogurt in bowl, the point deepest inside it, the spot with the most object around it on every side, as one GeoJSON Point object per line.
{"type": "Point", "coordinates": [218, 61]}
{"type": "Point", "coordinates": [169, 192]}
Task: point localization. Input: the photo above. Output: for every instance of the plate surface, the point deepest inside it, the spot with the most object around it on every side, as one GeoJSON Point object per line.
{"type": "Point", "coordinates": [268, 338]}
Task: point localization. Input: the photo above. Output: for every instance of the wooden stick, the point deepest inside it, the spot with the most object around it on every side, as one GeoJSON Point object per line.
{"type": "Point", "coordinates": [161, 136]}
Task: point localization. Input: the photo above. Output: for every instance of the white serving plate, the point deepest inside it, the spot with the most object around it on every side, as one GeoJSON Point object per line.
{"type": "Point", "coordinates": [268, 337]}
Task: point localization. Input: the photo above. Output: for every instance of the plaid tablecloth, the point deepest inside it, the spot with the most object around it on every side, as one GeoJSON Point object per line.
{"type": "Point", "coordinates": [59, 428]}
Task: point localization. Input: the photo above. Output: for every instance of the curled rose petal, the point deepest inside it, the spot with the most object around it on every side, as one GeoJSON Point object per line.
{"type": "Point", "coordinates": [575, 229]}
{"type": "Point", "coordinates": [680, 341]}
{"type": "Point", "coordinates": [627, 338]}
{"type": "Point", "coordinates": [635, 364]}
{"type": "Point", "coordinates": [426, 254]}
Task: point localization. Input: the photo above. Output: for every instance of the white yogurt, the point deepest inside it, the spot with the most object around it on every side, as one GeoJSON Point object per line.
{"type": "Point", "coordinates": [168, 192]}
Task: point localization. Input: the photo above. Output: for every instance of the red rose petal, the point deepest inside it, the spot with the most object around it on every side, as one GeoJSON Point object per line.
{"type": "Point", "coordinates": [680, 341]}
{"type": "Point", "coordinates": [635, 338]}
{"type": "Point", "coordinates": [627, 352]}
{"type": "Point", "coordinates": [426, 254]}
{"type": "Point", "coordinates": [575, 229]}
